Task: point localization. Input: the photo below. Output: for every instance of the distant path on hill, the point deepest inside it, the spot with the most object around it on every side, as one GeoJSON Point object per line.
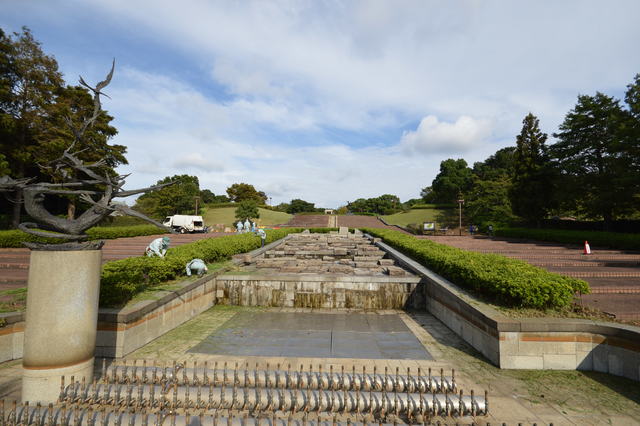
{"type": "Point", "coordinates": [14, 262]}
{"type": "Point", "coordinates": [613, 275]}
{"type": "Point", "coordinates": [334, 221]}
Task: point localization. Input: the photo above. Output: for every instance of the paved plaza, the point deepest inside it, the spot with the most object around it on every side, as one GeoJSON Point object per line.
{"type": "Point", "coordinates": [318, 335]}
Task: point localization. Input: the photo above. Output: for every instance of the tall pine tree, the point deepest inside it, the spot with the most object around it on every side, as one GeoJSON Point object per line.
{"type": "Point", "coordinates": [531, 189]}
{"type": "Point", "coordinates": [594, 159]}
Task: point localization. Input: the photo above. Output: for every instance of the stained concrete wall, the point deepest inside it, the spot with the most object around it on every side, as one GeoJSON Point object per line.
{"type": "Point", "coordinates": [320, 291]}
{"type": "Point", "coordinates": [122, 331]}
{"type": "Point", "coordinates": [528, 343]}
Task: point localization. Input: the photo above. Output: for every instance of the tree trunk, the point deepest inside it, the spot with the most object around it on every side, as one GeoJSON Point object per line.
{"type": "Point", "coordinates": [71, 210]}
{"type": "Point", "coordinates": [607, 219]}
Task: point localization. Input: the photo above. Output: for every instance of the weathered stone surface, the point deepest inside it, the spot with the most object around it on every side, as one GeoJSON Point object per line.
{"type": "Point", "coordinates": [341, 254]}
{"type": "Point", "coordinates": [394, 271]}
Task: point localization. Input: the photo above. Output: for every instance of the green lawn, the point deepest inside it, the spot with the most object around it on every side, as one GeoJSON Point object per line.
{"type": "Point", "coordinates": [418, 216]}
{"type": "Point", "coordinates": [227, 216]}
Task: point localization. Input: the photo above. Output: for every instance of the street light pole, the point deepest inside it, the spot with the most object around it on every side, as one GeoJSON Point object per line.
{"type": "Point", "coordinates": [197, 199]}
{"type": "Point", "coordinates": [460, 202]}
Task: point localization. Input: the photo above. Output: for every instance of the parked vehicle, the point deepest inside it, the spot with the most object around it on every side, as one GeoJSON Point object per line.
{"type": "Point", "coordinates": [185, 223]}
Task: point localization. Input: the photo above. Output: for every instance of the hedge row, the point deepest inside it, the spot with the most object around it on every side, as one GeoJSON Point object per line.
{"type": "Point", "coordinates": [505, 281]}
{"type": "Point", "coordinates": [122, 279]}
{"type": "Point", "coordinates": [15, 237]}
{"type": "Point", "coordinates": [614, 240]}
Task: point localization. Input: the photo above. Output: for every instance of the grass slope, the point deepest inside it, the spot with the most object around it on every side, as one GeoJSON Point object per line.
{"type": "Point", "coordinates": [418, 216]}
{"type": "Point", "coordinates": [227, 216]}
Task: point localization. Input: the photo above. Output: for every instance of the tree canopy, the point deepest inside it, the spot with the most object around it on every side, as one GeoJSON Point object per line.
{"type": "Point", "coordinates": [597, 157]}
{"type": "Point", "coordinates": [38, 115]}
{"type": "Point", "coordinates": [300, 206]}
{"type": "Point", "coordinates": [531, 191]}
{"type": "Point", "coordinates": [243, 191]}
{"type": "Point", "coordinates": [454, 179]}
{"type": "Point", "coordinates": [382, 205]}
{"type": "Point", "coordinates": [247, 209]}
{"type": "Point", "coordinates": [178, 198]}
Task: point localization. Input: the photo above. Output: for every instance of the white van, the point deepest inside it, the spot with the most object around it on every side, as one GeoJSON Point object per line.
{"type": "Point", "coordinates": [184, 223]}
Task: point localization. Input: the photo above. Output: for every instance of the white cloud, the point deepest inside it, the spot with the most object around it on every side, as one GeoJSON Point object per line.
{"type": "Point", "coordinates": [347, 75]}
{"type": "Point", "coordinates": [197, 161]}
{"type": "Point", "coordinates": [434, 136]}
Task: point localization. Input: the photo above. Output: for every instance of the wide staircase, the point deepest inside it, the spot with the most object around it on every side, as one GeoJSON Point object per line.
{"type": "Point", "coordinates": [14, 262]}
{"type": "Point", "coordinates": [335, 221]}
{"type": "Point", "coordinates": [613, 275]}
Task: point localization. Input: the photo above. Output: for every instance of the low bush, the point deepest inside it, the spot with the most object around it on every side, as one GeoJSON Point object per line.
{"type": "Point", "coordinates": [15, 237]}
{"type": "Point", "coordinates": [614, 240]}
{"type": "Point", "coordinates": [505, 281]}
{"type": "Point", "coordinates": [122, 279]}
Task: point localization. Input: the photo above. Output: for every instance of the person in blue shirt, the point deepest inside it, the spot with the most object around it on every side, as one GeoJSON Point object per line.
{"type": "Point", "coordinates": [196, 265]}
{"type": "Point", "coordinates": [263, 236]}
{"type": "Point", "coordinates": [158, 247]}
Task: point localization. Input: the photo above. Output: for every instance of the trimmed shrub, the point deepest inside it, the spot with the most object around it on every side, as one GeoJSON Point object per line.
{"type": "Point", "coordinates": [505, 281]}
{"type": "Point", "coordinates": [15, 237]}
{"type": "Point", "coordinates": [614, 240]}
{"type": "Point", "coordinates": [122, 279]}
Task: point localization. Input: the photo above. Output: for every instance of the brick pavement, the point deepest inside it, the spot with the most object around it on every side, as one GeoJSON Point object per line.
{"type": "Point", "coordinates": [613, 275]}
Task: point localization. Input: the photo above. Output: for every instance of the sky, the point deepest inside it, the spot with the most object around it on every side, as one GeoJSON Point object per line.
{"type": "Point", "coordinates": [329, 100]}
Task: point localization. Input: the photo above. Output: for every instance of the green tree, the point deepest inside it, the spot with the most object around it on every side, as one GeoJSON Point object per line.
{"type": "Point", "coordinates": [298, 206]}
{"type": "Point", "coordinates": [454, 178]}
{"type": "Point", "coordinates": [532, 182]}
{"type": "Point", "coordinates": [243, 191]}
{"type": "Point", "coordinates": [497, 165]}
{"type": "Point", "coordinates": [595, 160]}
{"type": "Point", "coordinates": [74, 104]}
{"type": "Point", "coordinates": [488, 202]}
{"type": "Point", "coordinates": [427, 194]}
{"type": "Point", "coordinates": [28, 83]}
{"type": "Point", "coordinates": [382, 205]}
{"type": "Point", "coordinates": [178, 198]}
{"type": "Point", "coordinates": [247, 209]}
{"type": "Point", "coordinates": [631, 135]}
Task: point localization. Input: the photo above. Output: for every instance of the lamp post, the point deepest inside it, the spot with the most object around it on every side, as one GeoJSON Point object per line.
{"type": "Point", "coordinates": [197, 199]}
{"type": "Point", "coordinates": [460, 203]}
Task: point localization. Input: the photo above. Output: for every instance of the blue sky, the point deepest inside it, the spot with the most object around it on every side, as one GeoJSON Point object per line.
{"type": "Point", "coordinates": [331, 100]}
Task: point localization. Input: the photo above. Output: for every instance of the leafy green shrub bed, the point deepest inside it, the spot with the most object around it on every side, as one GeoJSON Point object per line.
{"type": "Point", "coordinates": [15, 237]}
{"type": "Point", "coordinates": [614, 240]}
{"type": "Point", "coordinates": [122, 279]}
{"type": "Point", "coordinates": [505, 281]}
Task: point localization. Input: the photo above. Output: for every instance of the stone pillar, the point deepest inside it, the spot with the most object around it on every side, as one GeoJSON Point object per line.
{"type": "Point", "coordinates": [61, 321]}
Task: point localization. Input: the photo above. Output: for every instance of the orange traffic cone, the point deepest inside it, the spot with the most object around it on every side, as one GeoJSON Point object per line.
{"type": "Point", "coordinates": [587, 249]}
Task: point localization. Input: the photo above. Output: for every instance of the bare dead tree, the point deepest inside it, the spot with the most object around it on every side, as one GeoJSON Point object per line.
{"type": "Point", "coordinates": [84, 185]}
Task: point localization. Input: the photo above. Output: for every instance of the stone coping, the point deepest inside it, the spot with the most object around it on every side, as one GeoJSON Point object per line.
{"type": "Point", "coordinates": [469, 306]}
{"type": "Point", "coordinates": [127, 314]}
{"type": "Point", "coordinates": [134, 312]}
{"type": "Point", "coordinates": [321, 277]}
{"type": "Point", "coordinates": [239, 258]}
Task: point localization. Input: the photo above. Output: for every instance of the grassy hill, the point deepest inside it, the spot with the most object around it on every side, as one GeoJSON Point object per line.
{"type": "Point", "coordinates": [418, 216]}
{"type": "Point", "coordinates": [227, 216]}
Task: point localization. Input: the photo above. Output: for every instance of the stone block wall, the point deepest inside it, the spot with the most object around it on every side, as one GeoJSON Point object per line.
{"type": "Point", "coordinates": [122, 331]}
{"type": "Point", "coordinates": [319, 291]}
{"type": "Point", "coordinates": [529, 343]}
